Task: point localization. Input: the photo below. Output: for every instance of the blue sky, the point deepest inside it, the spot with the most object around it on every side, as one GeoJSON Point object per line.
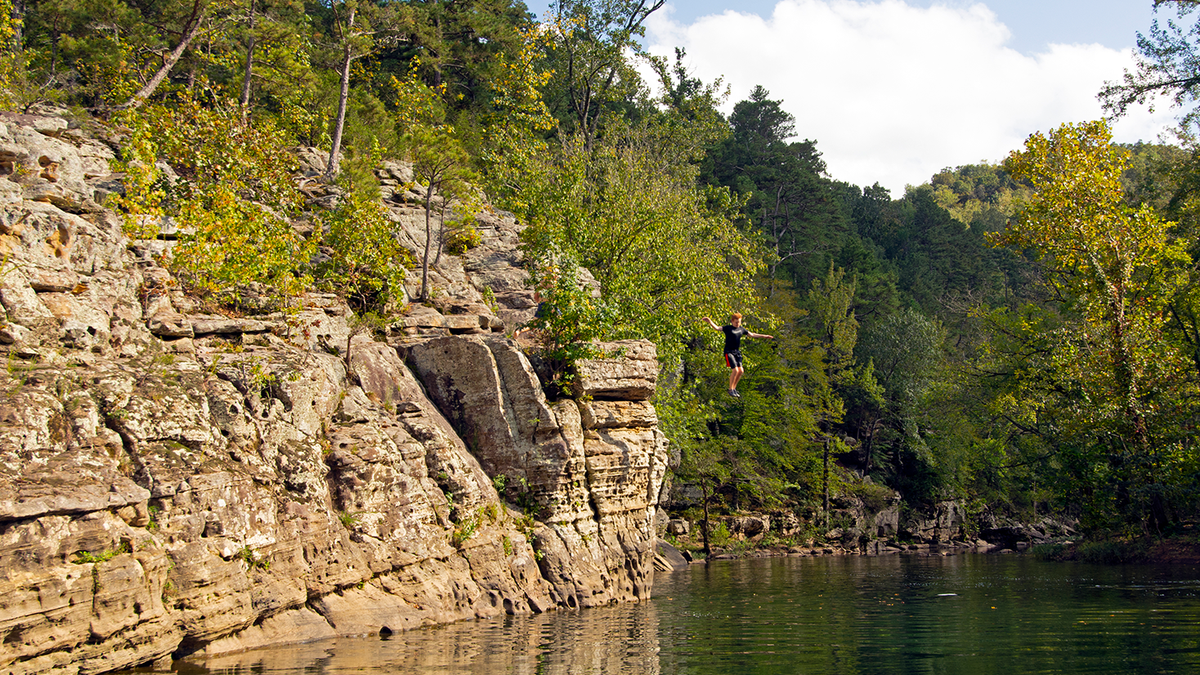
{"type": "Point", "coordinates": [1034, 23]}
{"type": "Point", "coordinates": [895, 90]}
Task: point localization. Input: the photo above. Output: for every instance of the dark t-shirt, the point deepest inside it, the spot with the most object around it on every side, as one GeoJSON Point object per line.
{"type": "Point", "coordinates": [733, 338]}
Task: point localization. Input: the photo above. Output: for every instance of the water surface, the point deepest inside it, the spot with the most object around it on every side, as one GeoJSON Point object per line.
{"type": "Point", "coordinates": [969, 614]}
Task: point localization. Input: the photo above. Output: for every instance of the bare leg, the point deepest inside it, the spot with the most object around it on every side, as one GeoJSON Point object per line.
{"type": "Point", "coordinates": [735, 376]}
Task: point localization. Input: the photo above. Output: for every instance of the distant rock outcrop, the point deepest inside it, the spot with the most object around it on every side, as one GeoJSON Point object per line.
{"type": "Point", "coordinates": [176, 482]}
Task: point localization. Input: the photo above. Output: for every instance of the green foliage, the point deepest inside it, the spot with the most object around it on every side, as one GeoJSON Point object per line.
{"type": "Point", "coordinates": [252, 560]}
{"type": "Point", "coordinates": [231, 208]}
{"type": "Point", "coordinates": [832, 300]}
{"type": "Point", "coordinates": [367, 264]}
{"type": "Point", "coordinates": [593, 77]}
{"type": "Point", "coordinates": [906, 352]}
{"type": "Point", "coordinates": [464, 529]}
{"type": "Point", "coordinates": [874, 497]}
{"type": "Point", "coordinates": [787, 199]}
{"type": "Point", "coordinates": [461, 46]}
{"type": "Point", "coordinates": [461, 238]}
{"type": "Point", "coordinates": [500, 481]}
{"type": "Point", "coordinates": [568, 320]}
{"type": "Point", "coordinates": [1166, 66]}
{"type": "Point", "coordinates": [1111, 552]}
{"type": "Point", "coordinates": [441, 163]}
{"type": "Point", "coordinates": [719, 536]}
{"type": "Point", "coordinates": [1093, 377]}
{"type": "Point", "coordinates": [86, 557]}
{"type": "Point", "coordinates": [663, 250]}
{"type": "Point", "coordinates": [978, 195]}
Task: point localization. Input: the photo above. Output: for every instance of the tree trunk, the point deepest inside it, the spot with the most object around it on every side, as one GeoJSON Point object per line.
{"type": "Point", "coordinates": [192, 29]}
{"type": "Point", "coordinates": [825, 480]}
{"type": "Point", "coordinates": [704, 523]}
{"type": "Point", "coordinates": [441, 238]}
{"type": "Point", "coordinates": [249, 71]}
{"type": "Point", "coordinates": [429, 194]}
{"type": "Point", "coordinates": [343, 97]}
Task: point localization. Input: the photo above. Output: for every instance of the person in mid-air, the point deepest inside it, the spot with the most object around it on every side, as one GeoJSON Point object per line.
{"type": "Point", "coordinates": [733, 348]}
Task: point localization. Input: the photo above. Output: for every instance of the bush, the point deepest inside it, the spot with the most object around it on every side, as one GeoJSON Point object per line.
{"type": "Point", "coordinates": [567, 322]}
{"type": "Point", "coordinates": [461, 239]}
{"type": "Point", "coordinates": [1115, 552]}
{"type": "Point", "coordinates": [719, 536]}
{"type": "Point", "coordinates": [232, 206]}
{"type": "Point", "coordinates": [875, 497]}
{"type": "Point", "coordinates": [366, 265]}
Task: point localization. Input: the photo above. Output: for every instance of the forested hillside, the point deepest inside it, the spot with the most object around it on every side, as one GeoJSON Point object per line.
{"type": "Point", "coordinates": [1021, 335]}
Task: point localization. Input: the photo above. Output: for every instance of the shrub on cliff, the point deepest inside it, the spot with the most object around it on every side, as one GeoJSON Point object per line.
{"type": "Point", "coordinates": [366, 263]}
{"type": "Point", "coordinates": [231, 204]}
{"type": "Point", "coordinates": [569, 319]}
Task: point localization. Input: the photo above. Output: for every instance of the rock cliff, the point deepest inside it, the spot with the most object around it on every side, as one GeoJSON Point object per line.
{"type": "Point", "coordinates": [176, 482]}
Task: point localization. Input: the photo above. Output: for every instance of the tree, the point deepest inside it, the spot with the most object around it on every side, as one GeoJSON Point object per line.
{"type": "Point", "coordinates": [788, 200]}
{"type": "Point", "coordinates": [591, 71]}
{"type": "Point", "coordinates": [358, 30]}
{"type": "Point", "coordinates": [192, 19]}
{"type": "Point", "coordinates": [231, 207]}
{"type": "Point", "coordinates": [1115, 269]}
{"type": "Point", "coordinates": [458, 46]}
{"type": "Point", "coordinates": [1166, 65]}
{"type": "Point", "coordinates": [276, 56]}
{"type": "Point", "coordinates": [832, 300]}
{"type": "Point", "coordinates": [440, 162]}
{"type": "Point", "coordinates": [664, 251]}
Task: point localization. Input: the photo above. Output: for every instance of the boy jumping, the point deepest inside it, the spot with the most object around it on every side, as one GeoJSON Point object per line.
{"type": "Point", "coordinates": [733, 348]}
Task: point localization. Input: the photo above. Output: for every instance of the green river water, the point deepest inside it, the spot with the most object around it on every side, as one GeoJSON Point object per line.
{"type": "Point", "coordinates": [969, 614]}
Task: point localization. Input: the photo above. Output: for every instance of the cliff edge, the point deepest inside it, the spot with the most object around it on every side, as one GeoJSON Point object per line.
{"type": "Point", "coordinates": [175, 482]}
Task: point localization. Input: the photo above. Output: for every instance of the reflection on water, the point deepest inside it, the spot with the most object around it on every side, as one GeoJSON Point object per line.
{"type": "Point", "coordinates": [619, 640]}
{"type": "Point", "coordinates": [896, 614]}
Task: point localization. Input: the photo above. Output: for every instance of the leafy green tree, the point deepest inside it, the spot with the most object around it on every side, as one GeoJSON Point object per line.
{"type": "Point", "coordinates": [592, 74]}
{"type": "Point", "coordinates": [905, 353]}
{"type": "Point", "coordinates": [191, 19]}
{"type": "Point", "coordinates": [275, 57]}
{"type": "Point", "coordinates": [367, 264]}
{"type": "Point", "coordinates": [664, 251]}
{"type": "Point", "coordinates": [458, 46]}
{"type": "Point", "coordinates": [569, 319]}
{"type": "Point", "coordinates": [1117, 267]}
{"type": "Point", "coordinates": [440, 162]}
{"type": "Point", "coordinates": [232, 207]}
{"type": "Point", "coordinates": [357, 30]}
{"type": "Point", "coordinates": [1166, 65]}
{"type": "Point", "coordinates": [789, 201]}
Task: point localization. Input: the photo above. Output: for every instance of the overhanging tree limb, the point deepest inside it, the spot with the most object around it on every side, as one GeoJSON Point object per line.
{"type": "Point", "coordinates": [191, 30]}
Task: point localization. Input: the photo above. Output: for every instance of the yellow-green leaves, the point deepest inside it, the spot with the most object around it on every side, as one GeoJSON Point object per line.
{"type": "Point", "coordinates": [1119, 263]}
{"type": "Point", "coordinates": [367, 263]}
{"type": "Point", "coordinates": [639, 223]}
{"type": "Point", "coordinates": [1077, 219]}
{"type": "Point", "coordinates": [1100, 378]}
{"type": "Point", "coordinates": [231, 206]}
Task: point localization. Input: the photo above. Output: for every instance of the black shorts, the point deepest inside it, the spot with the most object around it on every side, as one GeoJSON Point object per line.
{"type": "Point", "coordinates": [733, 359]}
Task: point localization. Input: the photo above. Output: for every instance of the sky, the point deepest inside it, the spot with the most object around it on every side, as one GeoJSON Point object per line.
{"type": "Point", "coordinates": [893, 91]}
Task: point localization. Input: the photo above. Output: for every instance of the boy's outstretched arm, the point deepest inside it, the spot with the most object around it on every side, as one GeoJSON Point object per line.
{"type": "Point", "coordinates": [712, 323]}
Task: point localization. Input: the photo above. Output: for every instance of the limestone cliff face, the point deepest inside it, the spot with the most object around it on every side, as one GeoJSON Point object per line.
{"type": "Point", "coordinates": [174, 482]}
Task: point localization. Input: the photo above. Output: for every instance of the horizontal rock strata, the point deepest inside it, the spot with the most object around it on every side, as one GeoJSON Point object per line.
{"type": "Point", "coordinates": [175, 482]}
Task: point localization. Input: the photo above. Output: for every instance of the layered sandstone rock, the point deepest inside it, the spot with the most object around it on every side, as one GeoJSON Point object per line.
{"type": "Point", "coordinates": [176, 482]}
{"type": "Point", "coordinates": [593, 468]}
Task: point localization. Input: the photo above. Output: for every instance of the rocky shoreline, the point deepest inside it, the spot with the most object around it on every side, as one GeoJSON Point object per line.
{"type": "Point", "coordinates": [177, 481]}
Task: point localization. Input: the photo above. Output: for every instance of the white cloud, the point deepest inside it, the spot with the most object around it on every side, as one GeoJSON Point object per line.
{"type": "Point", "coordinates": [893, 93]}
